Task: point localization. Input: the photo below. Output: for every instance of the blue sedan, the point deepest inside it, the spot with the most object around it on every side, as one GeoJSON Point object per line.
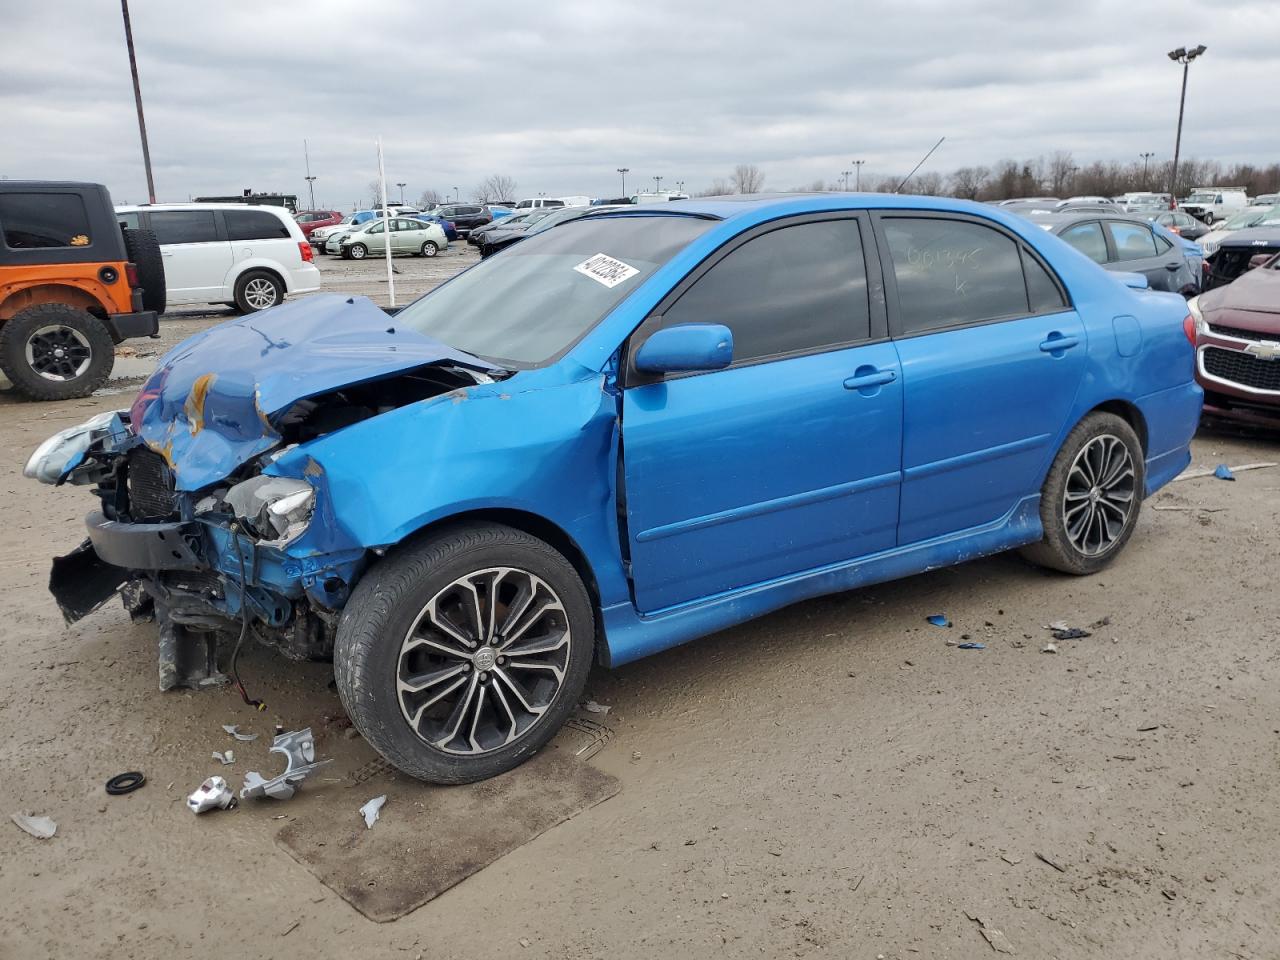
{"type": "Point", "coordinates": [624, 433]}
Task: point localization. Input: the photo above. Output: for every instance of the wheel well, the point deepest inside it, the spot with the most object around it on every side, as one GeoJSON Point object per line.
{"type": "Point", "coordinates": [1127, 412]}
{"type": "Point", "coordinates": [267, 270]}
{"type": "Point", "coordinates": [535, 526]}
{"type": "Point", "coordinates": [31, 296]}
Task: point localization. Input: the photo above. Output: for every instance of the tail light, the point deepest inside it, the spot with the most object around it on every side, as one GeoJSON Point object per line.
{"type": "Point", "coordinates": [1189, 328]}
{"type": "Point", "coordinates": [304, 248]}
{"type": "Point", "coordinates": [131, 273]}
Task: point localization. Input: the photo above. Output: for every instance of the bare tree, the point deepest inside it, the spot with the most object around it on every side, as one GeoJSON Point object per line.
{"type": "Point", "coordinates": [1062, 169]}
{"type": "Point", "coordinates": [719, 188]}
{"type": "Point", "coordinates": [430, 198]}
{"type": "Point", "coordinates": [968, 181]}
{"type": "Point", "coordinates": [496, 188]}
{"type": "Point", "coordinates": [374, 190]}
{"type": "Point", "coordinates": [927, 184]}
{"type": "Point", "coordinates": [747, 178]}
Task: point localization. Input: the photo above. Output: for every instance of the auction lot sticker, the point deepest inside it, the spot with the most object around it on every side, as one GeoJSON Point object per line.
{"type": "Point", "coordinates": [602, 268]}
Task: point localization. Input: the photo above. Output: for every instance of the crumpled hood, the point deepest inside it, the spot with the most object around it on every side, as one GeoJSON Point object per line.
{"type": "Point", "coordinates": [208, 407]}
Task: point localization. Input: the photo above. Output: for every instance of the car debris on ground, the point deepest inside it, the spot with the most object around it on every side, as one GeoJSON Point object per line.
{"type": "Point", "coordinates": [1223, 472]}
{"type": "Point", "coordinates": [299, 750]}
{"type": "Point", "coordinates": [938, 620]}
{"type": "Point", "coordinates": [592, 707]}
{"type": "Point", "coordinates": [213, 794]}
{"type": "Point", "coordinates": [234, 730]}
{"type": "Point", "coordinates": [371, 810]}
{"type": "Point", "coordinates": [42, 828]}
{"type": "Point", "coordinates": [225, 758]}
{"type": "Point", "coordinates": [999, 942]}
{"type": "Point", "coordinates": [123, 783]}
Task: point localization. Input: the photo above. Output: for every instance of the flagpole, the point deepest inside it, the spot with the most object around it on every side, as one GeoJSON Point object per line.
{"type": "Point", "coordinates": [386, 224]}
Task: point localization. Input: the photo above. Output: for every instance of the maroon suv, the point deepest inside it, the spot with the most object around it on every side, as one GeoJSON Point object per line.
{"type": "Point", "coordinates": [1238, 344]}
{"type": "Point", "coordinates": [310, 220]}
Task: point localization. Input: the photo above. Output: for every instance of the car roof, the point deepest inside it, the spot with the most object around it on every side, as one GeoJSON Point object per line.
{"type": "Point", "coordinates": [153, 207]}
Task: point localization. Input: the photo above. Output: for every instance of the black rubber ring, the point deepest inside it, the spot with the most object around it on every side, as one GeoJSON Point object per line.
{"type": "Point", "coordinates": [125, 782]}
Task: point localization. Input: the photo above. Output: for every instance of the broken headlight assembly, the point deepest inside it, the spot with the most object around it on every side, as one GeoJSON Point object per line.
{"type": "Point", "coordinates": [275, 509]}
{"type": "Point", "coordinates": [65, 450]}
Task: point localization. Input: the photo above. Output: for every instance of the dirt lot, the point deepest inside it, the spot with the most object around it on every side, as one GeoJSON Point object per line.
{"type": "Point", "coordinates": [831, 780]}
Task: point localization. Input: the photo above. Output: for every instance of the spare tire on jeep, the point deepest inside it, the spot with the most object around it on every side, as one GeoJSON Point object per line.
{"type": "Point", "coordinates": [144, 253]}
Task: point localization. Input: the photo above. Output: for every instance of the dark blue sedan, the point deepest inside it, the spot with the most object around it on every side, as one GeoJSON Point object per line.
{"type": "Point", "coordinates": [626, 432]}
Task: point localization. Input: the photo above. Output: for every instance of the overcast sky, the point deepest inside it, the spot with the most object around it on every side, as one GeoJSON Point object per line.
{"type": "Point", "coordinates": [558, 94]}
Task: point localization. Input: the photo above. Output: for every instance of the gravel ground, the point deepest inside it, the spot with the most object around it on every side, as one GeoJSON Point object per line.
{"type": "Point", "coordinates": [830, 780]}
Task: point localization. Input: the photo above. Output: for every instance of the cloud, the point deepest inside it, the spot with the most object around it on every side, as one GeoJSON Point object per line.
{"type": "Point", "coordinates": [559, 94]}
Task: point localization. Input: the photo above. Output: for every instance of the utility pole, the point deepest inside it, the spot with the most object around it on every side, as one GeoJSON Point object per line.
{"type": "Point", "coordinates": [401, 186]}
{"type": "Point", "coordinates": [857, 165]}
{"type": "Point", "coordinates": [844, 174]}
{"type": "Point", "coordinates": [1146, 157]}
{"type": "Point", "coordinates": [624, 171]}
{"type": "Point", "coordinates": [137, 99]}
{"type": "Point", "coordinates": [455, 194]}
{"type": "Point", "coordinates": [1183, 56]}
{"type": "Point", "coordinates": [311, 181]}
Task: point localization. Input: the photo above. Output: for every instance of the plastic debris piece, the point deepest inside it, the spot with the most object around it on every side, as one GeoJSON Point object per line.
{"type": "Point", "coordinates": [1223, 472]}
{"type": "Point", "coordinates": [1049, 648]}
{"type": "Point", "coordinates": [938, 620]}
{"type": "Point", "coordinates": [299, 750]}
{"type": "Point", "coordinates": [42, 828]}
{"type": "Point", "coordinates": [971, 646]}
{"type": "Point", "coordinates": [234, 730]}
{"type": "Point", "coordinates": [1071, 633]}
{"type": "Point", "coordinates": [592, 707]}
{"type": "Point", "coordinates": [371, 810]}
{"type": "Point", "coordinates": [213, 794]}
{"type": "Point", "coordinates": [225, 758]}
{"type": "Point", "coordinates": [999, 942]}
{"type": "Point", "coordinates": [1058, 625]}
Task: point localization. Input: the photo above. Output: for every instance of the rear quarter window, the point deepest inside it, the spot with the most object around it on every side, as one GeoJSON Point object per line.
{"type": "Point", "coordinates": [254, 225]}
{"type": "Point", "coordinates": [33, 221]}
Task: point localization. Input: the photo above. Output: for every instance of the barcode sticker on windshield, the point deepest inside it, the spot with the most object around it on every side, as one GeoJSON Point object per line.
{"type": "Point", "coordinates": [602, 268]}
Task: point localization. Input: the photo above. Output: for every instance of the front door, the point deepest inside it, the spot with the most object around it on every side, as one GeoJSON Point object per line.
{"type": "Point", "coordinates": [196, 256]}
{"type": "Point", "coordinates": [787, 460]}
{"type": "Point", "coordinates": [992, 355]}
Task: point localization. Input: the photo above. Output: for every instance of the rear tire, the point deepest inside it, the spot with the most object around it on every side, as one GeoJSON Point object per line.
{"type": "Point", "coordinates": [54, 351]}
{"type": "Point", "coordinates": [430, 248]}
{"type": "Point", "coordinates": [144, 253]}
{"type": "Point", "coordinates": [1090, 500]}
{"type": "Point", "coordinates": [404, 679]}
{"type": "Point", "coordinates": [258, 290]}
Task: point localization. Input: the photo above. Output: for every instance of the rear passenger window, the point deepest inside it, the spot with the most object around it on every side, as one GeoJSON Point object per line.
{"type": "Point", "coordinates": [953, 272]}
{"type": "Point", "coordinates": [184, 226]}
{"type": "Point", "coordinates": [33, 221]}
{"type": "Point", "coordinates": [130, 220]}
{"type": "Point", "coordinates": [794, 289]}
{"type": "Point", "coordinates": [1088, 239]}
{"type": "Point", "coordinates": [1133, 241]}
{"type": "Point", "coordinates": [1043, 294]}
{"type": "Point", "coordinates": [254, 225]}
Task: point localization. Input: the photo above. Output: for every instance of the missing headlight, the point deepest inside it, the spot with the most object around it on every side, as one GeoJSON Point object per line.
{"type": "Point", "coordinates": [277, 509]}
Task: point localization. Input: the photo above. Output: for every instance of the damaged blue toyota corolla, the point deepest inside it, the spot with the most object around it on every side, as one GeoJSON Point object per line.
{"type": "Point", "coordinates": [629, 431]}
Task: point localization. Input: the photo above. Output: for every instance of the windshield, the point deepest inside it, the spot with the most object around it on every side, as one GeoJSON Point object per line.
{"type": "Point", "coordinates": [1246, 219]}
{"type": "Point", "coordinates": [532, 302]}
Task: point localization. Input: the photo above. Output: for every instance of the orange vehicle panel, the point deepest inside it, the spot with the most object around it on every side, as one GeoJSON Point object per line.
{"type": "Point", "coordinates": [26, 286]}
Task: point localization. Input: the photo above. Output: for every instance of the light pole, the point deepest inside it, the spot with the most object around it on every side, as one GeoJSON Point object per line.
{"type": "Point", "coordinates": [657, 184]}
{"type": "Point", "coordinates": [680, 186]}
{"type": "Point", "coordinates": [401, 186]}
{"type": "Point", "coordinates": [1183, 56]}
{"type": "Point", "coordinates": [311, 181]}
{"type": "Point", "coordinates": [1146, 158]}
{"type": "Point", "coordinates": [857, 165]}
{"type": "Point", "coordinates": [845, 175]}
{"type": "Point", "coordinates": [455, 194]}
{"type": "Point", "coordinates": [137, 99]}
{"type": "Point", "coordinates": [624, 171]}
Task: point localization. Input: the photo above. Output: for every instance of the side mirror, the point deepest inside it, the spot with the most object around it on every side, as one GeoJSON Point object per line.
{"type": "Point", "coordinates": [690, 347]}
{"type": "Point", "coordinates": [1258, 259]}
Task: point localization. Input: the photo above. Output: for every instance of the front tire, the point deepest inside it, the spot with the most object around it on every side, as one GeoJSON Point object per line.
{"type": "Point", "coordinates": [460, 656]}
{"type": "Point", "coordinates": [258, 290]}
{"type": "Point", "coordinates": [1091, 498]}
{"type": "Point", "coordinates": [357, 251]}
{"type": "Point", "coordinates": [54, 351]}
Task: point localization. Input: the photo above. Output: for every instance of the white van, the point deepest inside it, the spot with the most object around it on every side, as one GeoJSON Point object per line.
{"type": "Point", "coordinates": [537, 203]}
{"type": "Point", "coordinates": [575, 201]}
{"type": "Point", "coordinates": [1215, 203]}
{"type": "Point", "coordinates": [250, 257]}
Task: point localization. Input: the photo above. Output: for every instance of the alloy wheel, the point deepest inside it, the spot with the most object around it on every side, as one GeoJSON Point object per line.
{"type": "Point", "coordinates": [483, 661]}
{"type": "Point", "coordinates": [58, 352]}
{"type": "Point", "coordinates": [1099, 495]}
{"type": "Point", "coordinates": [260, 293]}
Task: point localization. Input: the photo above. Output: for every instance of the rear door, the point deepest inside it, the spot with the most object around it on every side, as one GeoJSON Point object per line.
{"type": "Point", "coordinates": [196, 254]}
{"type": "Point", "coordinates": [788, 459]}
{"type": "Point", "coordinates": [992, 356]}
{"type": "Point", "coordinates": [1135, 250]}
